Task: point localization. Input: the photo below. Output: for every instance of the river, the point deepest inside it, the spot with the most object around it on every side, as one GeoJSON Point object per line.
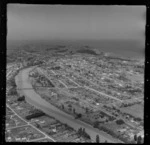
{"type": "Point", "coordinates": [22, 82]}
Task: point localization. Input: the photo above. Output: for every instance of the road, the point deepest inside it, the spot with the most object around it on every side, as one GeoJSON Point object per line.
{"type": "Point", "coordinates": [86, 87]}
{"type": "Point", "coordinates": [49, 78]}
{"type": "Point", "coordinates": [101, 93]}
{"type": "Point", "coordinates": [28, 123]}
{"type": "Point", "coordinates": [38, 139]}
{"type": "Point", "coordinates": [22, 81]}
{"type": "Point", "coordinates": [96, 90]}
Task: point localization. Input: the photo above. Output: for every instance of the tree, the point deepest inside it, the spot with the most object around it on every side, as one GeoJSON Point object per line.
{"type": "Point", "coordinates": [96, 124]}
{"type": "Point", "coordinates": [70, 109]}
{"type": "Point", "coordinates": [120, 122]}
{"type": "Point", "coordinates": [135, 137]}
{"type": "Point", "coordinates": [139, 140]}
{"type": "Point", "coordinates": [74, 111]}
{"type": "Point", "coordinates": [65, 124]}
{"type": "Point", "coordinates": [83, 130]}
{"type": "Point", "coordinates": [97, 139]}
{"type": "Point", "coordinates": [86, 110]}
{"type": "Point", "coordinates": [69, 105]}
{"type": "Point", "coordinates": [138, 119]}
{"type": "Point", "coordinates": [37, 125]}
{"type": "Point", "coordinates": [12, 91]}
{"type": "Point", "coordinates": [21, 98]}
{"type": "Point", "coordinates": [80, 130]}
{"type": "Point", "coordinates": [62, 106]}
{"type": "Point", "coordinates": [78, 116]}
{"type": "Point", "coordinates": [12, 83]}
{"type": "Point", "coordinates": [83, 133]}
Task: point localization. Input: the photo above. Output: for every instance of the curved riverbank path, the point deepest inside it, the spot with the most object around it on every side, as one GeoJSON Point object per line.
{"type": "Point", "coordinates": [22, 81]}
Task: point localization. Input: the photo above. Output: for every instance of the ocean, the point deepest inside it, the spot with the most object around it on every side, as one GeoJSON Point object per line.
{"type": "Point", "coordinates": [122, 48]}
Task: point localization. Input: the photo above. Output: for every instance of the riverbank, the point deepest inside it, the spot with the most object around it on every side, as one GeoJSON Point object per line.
{"type": "Point", "coordinates": [34, 99]}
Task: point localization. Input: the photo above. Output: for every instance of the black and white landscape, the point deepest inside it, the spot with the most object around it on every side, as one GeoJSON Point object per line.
{"type": "Point", "coordinates": [75, 73]}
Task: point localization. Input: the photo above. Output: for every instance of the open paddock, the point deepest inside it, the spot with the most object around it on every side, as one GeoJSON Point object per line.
{"type": "Point", "coordinates": [136, 110]}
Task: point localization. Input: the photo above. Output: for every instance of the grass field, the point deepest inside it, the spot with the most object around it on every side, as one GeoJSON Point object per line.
{"type": "Point", "coordinates": [135, 110]}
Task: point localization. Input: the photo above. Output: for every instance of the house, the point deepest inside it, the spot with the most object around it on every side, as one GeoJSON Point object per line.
{"type": "Point", "coordinates": [9, 138]}
{"type": "Point", "coordinates": [122, 130]}
{"type": "Point", "coordinates": [18, 139]}
{"type": "Point", "coordinates": [131, 135]}
{"type": "Point", "coordinates": [141, 133]}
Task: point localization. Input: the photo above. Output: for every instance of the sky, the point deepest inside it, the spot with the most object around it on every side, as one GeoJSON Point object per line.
{"type": "Point", "coordinates": [52, 22]}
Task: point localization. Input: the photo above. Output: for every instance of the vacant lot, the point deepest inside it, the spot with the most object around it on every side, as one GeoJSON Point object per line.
{"type": "Point", "coordinates": [135, 110]}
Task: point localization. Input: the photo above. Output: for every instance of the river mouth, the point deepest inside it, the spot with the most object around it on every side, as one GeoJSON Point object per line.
{"type": "Point", "coordinates": [23, 82]}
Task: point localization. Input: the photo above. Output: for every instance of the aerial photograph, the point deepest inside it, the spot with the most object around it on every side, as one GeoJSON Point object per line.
{"type": "Point", "coordinates": [75, 73]}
